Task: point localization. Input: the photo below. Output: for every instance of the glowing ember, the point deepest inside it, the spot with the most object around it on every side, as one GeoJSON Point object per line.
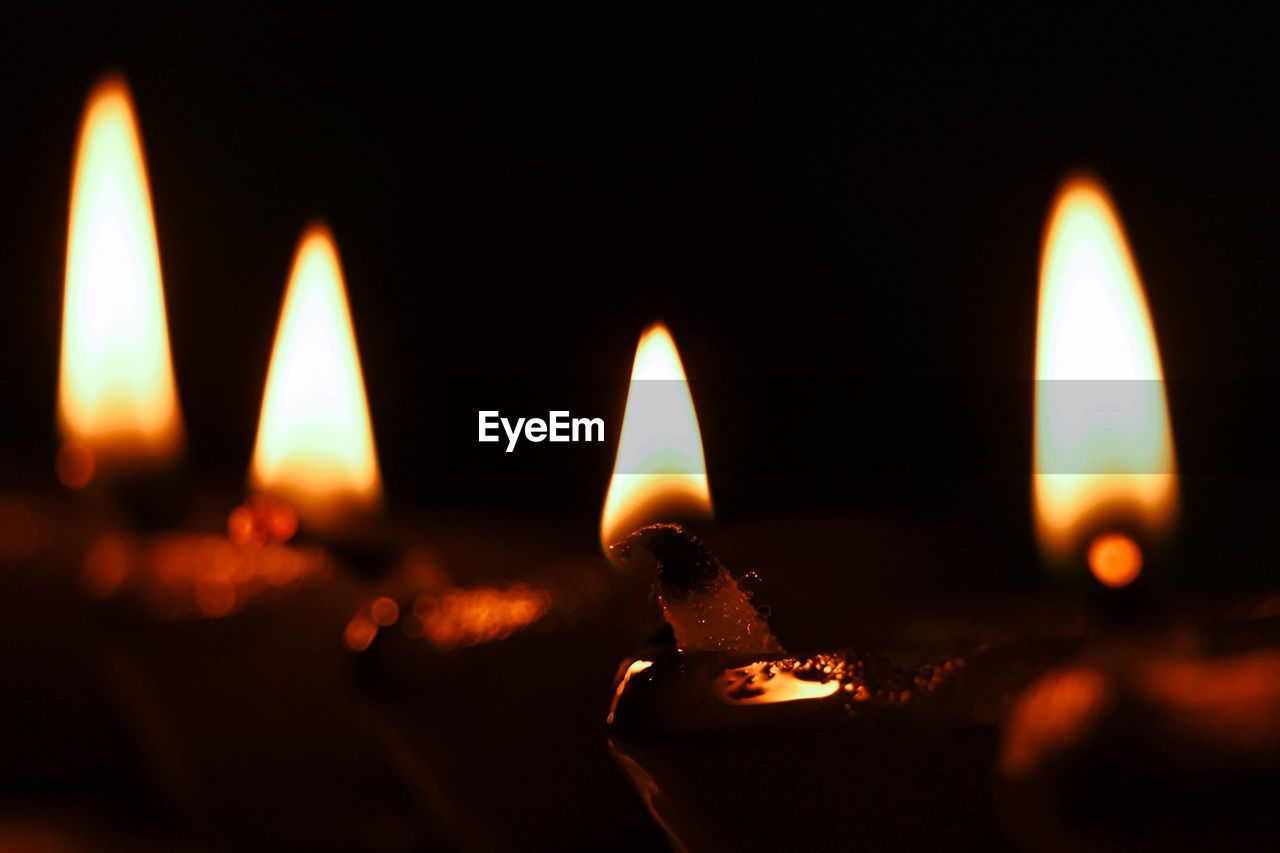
{"type": "Point", "coordinates": [315, 440]}
{"type": "Point", "coordinates": [116, 396]}
{"type": "Point", "coordinates": [1115, 560]}
{"type": "Point", "coordinates": [659, 474]}
{"type": "Point", "coordinates": [1104, 454]}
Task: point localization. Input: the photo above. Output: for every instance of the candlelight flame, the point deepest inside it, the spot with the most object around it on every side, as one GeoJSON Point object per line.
{"type": "Point", "coordinates": [315, 440]}
{"type": "Point", "coordinates": [1104, 453]}
{"type": "Point", "coordinates": [659, 474]}
{"type": "Point", "coordinates": [116, 394]}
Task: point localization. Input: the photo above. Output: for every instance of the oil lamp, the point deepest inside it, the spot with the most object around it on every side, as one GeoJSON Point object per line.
{"type": "Point", "coordinates": [715, 722]}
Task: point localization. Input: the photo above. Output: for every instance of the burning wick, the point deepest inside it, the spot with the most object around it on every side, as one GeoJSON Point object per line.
{"type": "Point", "coordinates": [703, 603]}
{"type": "Point", "coordinates": [659, 473]}
{"type": "Point", "coordinates": [1103, 444]}
{"type": "Point", "coordinates": [1115, 560]}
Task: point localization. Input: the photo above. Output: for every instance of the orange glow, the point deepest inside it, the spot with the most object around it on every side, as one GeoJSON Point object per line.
{"type": "Point", "coordinates": [315, 440]}
{"type": "Point", "coordinates": [107, 564]}
{"type": "Point", "coordinates": [181, 576]}
{"type": "Point", "coordinates": [1103, 444]}
{"type": "Point", "coordinates": [75, 465]}
{"type": "Point", "coordinates": [771, 682]}
{"type": "Point", "coordinates": [1052, 715]}
{"type": "Point", "coordinates": [261, 520]}
{"type": "Point", "coordinates": [359, 634]}
{"type": "Point", "coordinates": [1234, 700]}
{"type": "Point", "coordinates": [466, 617]}
{"type": "Point", "coordinates": [1115, 560]}
{"type": "Point", "coordinates": [116, 396]}
{"type": "Point", "coordinates": [384, 611]}
{"type": "Point", "coordinates": [659, 474]}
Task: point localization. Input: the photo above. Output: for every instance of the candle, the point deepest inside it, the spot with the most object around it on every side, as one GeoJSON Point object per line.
{"type": "Point", "coordinates": [716, 721]}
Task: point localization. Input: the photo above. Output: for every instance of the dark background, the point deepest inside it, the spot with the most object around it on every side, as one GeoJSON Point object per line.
{"type": "Point", "coordinates": [826, 209]}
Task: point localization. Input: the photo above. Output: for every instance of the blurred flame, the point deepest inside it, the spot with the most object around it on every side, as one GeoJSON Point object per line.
{"type": "Point", "coordinates": [1052, 715]}
{"type": "Point", "coordinates": [1103, 445]}
{"type": "Point", "coordinates": [116, 394]}
{"type": "Point", "coordinates": [181, 576]}
{"type": "Point", "coordinates": [659, 474]}
{"type": "Point", "coordinates": [461, 617]}
{"type": "Point", "coordinates": [315, 440]}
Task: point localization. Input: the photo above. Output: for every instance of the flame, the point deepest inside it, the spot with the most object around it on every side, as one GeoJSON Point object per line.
{"type": "Point", "coordinates": [116, 394]}
{"type": "Point", "coordinates": [659, 474]}
{"type": "Point", "coordinates": [315, 440]}
{"type": "Point", "coordinates": [1103, 453]}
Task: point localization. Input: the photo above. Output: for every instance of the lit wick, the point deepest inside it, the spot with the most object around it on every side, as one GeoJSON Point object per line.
{"type": "Point", "coordinates": [1115, 560]}
{"type": "Point", "coordinates": [1103, 448]}
{"type": "Point", "coordinates": [659, 473]}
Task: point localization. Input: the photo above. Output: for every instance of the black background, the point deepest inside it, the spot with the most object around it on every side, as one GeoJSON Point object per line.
{"type": "Point", "coordinates": [825, 208]}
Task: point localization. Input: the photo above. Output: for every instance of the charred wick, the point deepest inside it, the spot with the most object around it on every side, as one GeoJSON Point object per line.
{"type": "Point", "coordinates": [685, 566]}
